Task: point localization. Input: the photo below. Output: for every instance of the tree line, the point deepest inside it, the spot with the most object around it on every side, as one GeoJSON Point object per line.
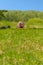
{"type": "Point", "coordinates": [13, 15]}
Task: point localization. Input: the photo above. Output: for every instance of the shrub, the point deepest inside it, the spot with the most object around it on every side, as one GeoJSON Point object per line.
{"type": "Point", "coordinates": [34, 22]}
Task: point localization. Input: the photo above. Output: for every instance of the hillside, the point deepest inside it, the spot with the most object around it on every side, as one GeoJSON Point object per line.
{"type": "Point", "coordinates": [21, 46]}
{"type": "Point", "coordinates": [15, 15]}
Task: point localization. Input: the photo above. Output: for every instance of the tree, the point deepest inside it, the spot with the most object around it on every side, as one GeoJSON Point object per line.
{"type": "Point", "coordinates": [2, 14]}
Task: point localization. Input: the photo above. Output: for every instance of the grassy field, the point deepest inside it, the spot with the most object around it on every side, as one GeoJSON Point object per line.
{"type": "Point", "coordinates": [20, 46]}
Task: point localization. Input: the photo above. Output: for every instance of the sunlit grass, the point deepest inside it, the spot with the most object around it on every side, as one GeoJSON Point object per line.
{"type": "Point", "coordinates": [21, 46]}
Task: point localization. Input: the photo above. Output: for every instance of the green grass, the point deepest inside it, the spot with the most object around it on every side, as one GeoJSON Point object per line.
{"type": "Point", "coordinates": [20, 46]}
{"type": "Point", "coordinates": [35, 23]}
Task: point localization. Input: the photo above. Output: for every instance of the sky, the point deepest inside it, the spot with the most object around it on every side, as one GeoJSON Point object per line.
{"type": "Point", "coordinates": [21, 5]}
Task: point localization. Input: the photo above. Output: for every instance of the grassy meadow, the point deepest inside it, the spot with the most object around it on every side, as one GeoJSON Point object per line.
{"type": "Point", "coordinates": [20, 46]}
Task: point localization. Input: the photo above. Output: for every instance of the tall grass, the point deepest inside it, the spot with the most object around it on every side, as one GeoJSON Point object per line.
{"type": "Point", "coordinates": [20, 46]}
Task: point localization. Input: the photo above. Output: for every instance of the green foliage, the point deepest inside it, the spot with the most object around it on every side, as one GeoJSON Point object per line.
{"type": "Point", "coordinates": [35, 22]}
{"type": "Point", "coordinates": [20, 46]}
{"type": "Point", "coordinates": [2, 14]}
{"type": "Point", "coordinates": [20, 15]}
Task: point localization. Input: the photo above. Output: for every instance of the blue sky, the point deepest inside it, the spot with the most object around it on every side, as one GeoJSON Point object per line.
{"type": "Point", "coordinates": [21, 5]}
